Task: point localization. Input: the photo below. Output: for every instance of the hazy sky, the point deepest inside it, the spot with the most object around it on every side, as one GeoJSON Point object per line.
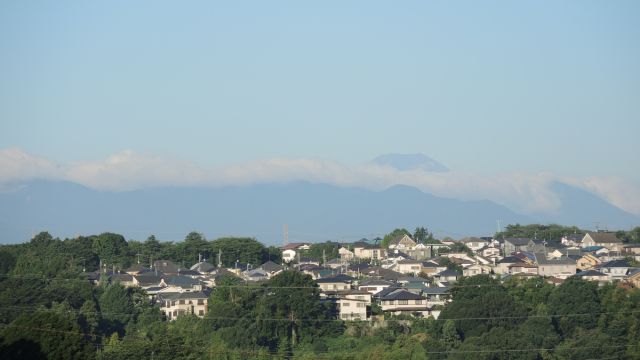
{"type": "Point", "coordinates": [481, 86]}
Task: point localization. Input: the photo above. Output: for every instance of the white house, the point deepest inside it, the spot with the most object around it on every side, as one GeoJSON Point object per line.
{"type": "Point", "coordinates": [353, 304]}
{"type": "Point", "coordinates": [403, 301]}
{"type": "Point", "coordinates": [474, 243]}
{"type": "Point", "coordinates": [174, 305]}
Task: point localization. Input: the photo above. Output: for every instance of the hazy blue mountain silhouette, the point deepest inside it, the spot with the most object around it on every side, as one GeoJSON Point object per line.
{"type": "Point", "coordinates": [404, 162]}
{"type": "Point", "coordinates": [587, 210]}
{"type": "Point", "coordinates": [313, 212]}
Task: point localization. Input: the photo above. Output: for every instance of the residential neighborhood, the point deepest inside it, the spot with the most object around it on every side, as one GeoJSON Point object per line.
{"type": "Point", "coordinates": [366, 280]}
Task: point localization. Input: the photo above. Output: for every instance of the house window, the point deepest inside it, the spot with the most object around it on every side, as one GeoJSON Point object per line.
{"type": "Point", "coordinates": [345, 304]}
{"type": "Point", "coordinates": [181, 302]}
{"type": "Point", "coordinates": [200, 302]}
{"type": "Point", "coordinates": [418, 302]}
{"type": "Point", "coordinates": [360, 297]}
{"type": "Point", "coordinates": [201, 312]}
{"type": "Point", "coordinates": [334, 286]}
{"type": "Point", "coordinates": [360, 305]}
{"type": "Point", "coordinates": [403, 302]}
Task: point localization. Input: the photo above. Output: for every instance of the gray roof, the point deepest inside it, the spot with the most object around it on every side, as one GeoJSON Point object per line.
{"type": "Point", "coordinates": [604, 237]}
{"type": "Point", "coordinates": [436, 290]}
{"type": "Point", "coordinates": [615, 263]}
{"type": "Point", "coordinates": [184, 295]}
{"type": "Point", "coordinates": [270, 266]}
{"type": "Point", "coordinates": [182, 281]}
{"type": "Point", "coordinates": [401, 294]}
{"type": "Point", "coordinates": [149, 278]}
{"type": "Point", "coordinates": [448, 272]}
{"type": "Point", "coordinates": [541, 259]}
{"type": "Point", "coordinates": [518, 241]}
{"type": "Point", "coordinates": [590, 273]}
{"type": "Point", "coordinates": [375, 282]}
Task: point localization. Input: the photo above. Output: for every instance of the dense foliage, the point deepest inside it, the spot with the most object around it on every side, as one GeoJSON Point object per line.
{"type": "Point", "coordinates": [49, 311]}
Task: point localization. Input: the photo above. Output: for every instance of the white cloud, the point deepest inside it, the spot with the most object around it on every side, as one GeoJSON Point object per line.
{"type": "Point", "coordinates": [127, 170]}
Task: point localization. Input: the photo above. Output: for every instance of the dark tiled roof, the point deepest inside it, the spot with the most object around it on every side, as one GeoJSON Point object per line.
{"type": "Point", "coordinates": [590, 273]}
{"type": "Point", "coordinates": [448, 272]}
{"type": "Point", "coordinates": [401, 294]}
{"type": "Point", "coordinates": [518, 241]}
{"type": "Point", "coordinates": [270, 266]}
{"type": "Point", "coordinates": [182, 281]}
{"type": "Point", "coordinates": [615, 263]}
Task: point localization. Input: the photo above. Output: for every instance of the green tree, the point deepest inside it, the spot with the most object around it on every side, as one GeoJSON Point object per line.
{"type": "Point", "coordinates": [572, 303]}
{"type": "Point", "coordinates": [116, 307]}
{"type": "Point", "coordinates": [112, 249]}
{"type": "Point", "coordinates": [56, 335]}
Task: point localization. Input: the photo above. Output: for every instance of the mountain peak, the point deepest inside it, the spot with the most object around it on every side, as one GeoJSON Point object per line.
{"type": "Point", "coordinates": [405, 162]}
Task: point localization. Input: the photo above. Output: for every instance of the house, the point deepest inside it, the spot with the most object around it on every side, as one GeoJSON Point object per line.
{"type": "Point", "coordinates": [346, 254]}
{"type": "Point", "coordinates": [615, 269]}
{"type": "Point", "coordinates": [436, 246]}
{"type": "Point", "coordinates": [634, 278]}
{"type": "Point", "coordinates": [513, 245]}
{"type": "Point", "coordinates": [335, 283]}
{"type": "Point", "coordinates": [271, 269]}
{"type": "Point", "coordinates": [137, 269]}
{"type": "Point", "coordinates": [436, 295]}
{"type": "Point", "coordinates": [474, 243]}
{"type": "Point", "coordinates": [593, 275]}
{"type": "Point", "coordinates": [402, 242]}
{"type": "Point", "coordinates": [180, 284]}
{"type": "Point", "coordinates": [476, 269]}
{"type": "Point", "coordinates": [353, 304]}
{"type": "Point", "coordinates": [523, 268]}
{"type": "Point", "coordinates": [572, 240]}
{"type": "Point", "coordinates": [174, 305]}
{"type": "Point", "coordinates": [335, 264]}
{"type": "Point", "coordinates": [587, 261]}
{"type": "Point", "coordinates": [203, 267]}
{"type": "Point", "coordinates": [147, 280]}
{"type": "Point", "coordinates": [255, 275]}
{"type": "Point", "coordinates": [290, 251]}
{"type": "Point", "coordinates": [408, 266]}
{"type": "Point", "coordinates": [402, 301]}
{"type": "Point", "coordinates": [602, 238]}
{"type": "Point", "coordinates": [448, 275]}
{"type": "Point", "coordinates": [632, 250]}
{"type": "Point", "coordinates": [560, 268]}
{"type": "Point", "coordinates": [374, 286]}
{"type": "Point", "coordinates": [363, 250]}
{"type": "Point", "coordinates": [377, 272]}
{"type": "Point", "coordinates": [166, 267]}
{"type": "Point", "coordinates": [491, 252]}
{"type": "Point", "coordinates": [419, 252]}
{"type": "Point", "coordinates": [125, 280]}
{"type": "Point", "coordinates": [502, 266]}
{"type": "Point", "coordinates": [431, 267]}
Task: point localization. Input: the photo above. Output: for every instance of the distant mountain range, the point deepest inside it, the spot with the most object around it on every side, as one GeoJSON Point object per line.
{"type": "Point", "coordinates": [313, 212]}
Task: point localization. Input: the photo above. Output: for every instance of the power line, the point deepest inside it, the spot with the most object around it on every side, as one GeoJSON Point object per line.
{"type": "Point", "coordinates": [36, 308]}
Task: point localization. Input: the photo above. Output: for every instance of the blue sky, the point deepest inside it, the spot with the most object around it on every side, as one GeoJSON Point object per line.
{"type": "Point", "coordinates": [486, 87]}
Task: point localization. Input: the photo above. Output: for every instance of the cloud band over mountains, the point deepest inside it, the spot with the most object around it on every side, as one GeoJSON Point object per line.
{"type": "Point", "coordinates": [528, 193]}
